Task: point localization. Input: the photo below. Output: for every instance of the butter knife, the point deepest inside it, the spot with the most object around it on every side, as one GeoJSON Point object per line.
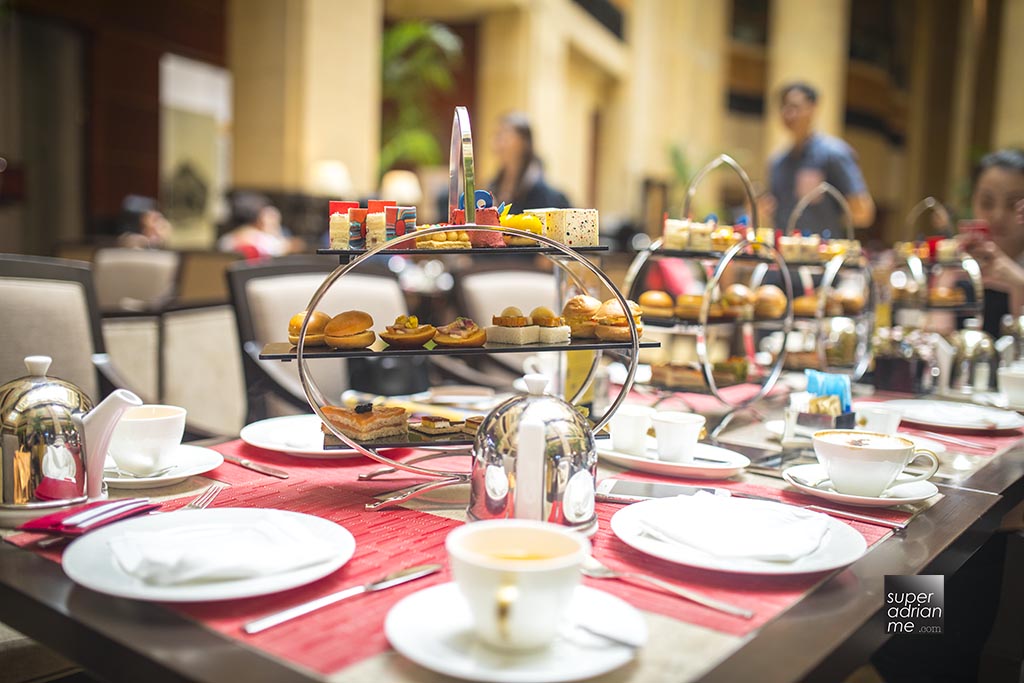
{"type": "Point", "coordinates": [256, 467]}
{"type": "Point", "coordinates": [399, 577]}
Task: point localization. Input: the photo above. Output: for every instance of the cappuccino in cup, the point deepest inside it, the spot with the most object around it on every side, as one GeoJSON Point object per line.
{"type": "Point", "coordinates": [867, 463]}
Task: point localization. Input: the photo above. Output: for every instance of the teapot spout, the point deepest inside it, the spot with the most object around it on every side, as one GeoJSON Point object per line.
{"type": "Point", "coordinates": [99, 426]}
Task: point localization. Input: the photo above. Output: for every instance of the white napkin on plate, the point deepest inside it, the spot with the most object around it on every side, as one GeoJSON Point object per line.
{"type": "Point", "coordinates": [736, 527]}
{"type": "Point", "coordinates": [219, 552]}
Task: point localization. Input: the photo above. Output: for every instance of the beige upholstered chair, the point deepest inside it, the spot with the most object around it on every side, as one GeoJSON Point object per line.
{"type": "Point", "coordinates": [134, 279]}
{"type": "Point", "coordinates": [267, 294]}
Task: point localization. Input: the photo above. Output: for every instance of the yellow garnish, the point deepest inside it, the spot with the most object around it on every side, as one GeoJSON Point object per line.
{"type": "Point", "coordinates": [522, 221]}
{"type": "Point", "coordinates": [412, 322]}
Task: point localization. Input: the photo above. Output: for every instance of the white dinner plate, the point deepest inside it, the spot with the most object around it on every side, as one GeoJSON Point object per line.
{"type": "Point", "coordinates": [89, 561]}
{"type": "Point", "coordinates": [434, 629]}
{"type": "Point", "coordinates": [996, 400]}
{"type": "Point", "coordinates": [188, 462]}
{"type": "Point", "coordinates": [841, 545]}
{"type": "Point", "coordinates": [732, 463]}
{"type": "Point", "coordinates": [299, 435]}
{"type": "Point", "coordinates": [898, 494]}
{"type": "Point", "coordinates": [951, 416]}
{"type": "Point", "coordinates": [777, 427]}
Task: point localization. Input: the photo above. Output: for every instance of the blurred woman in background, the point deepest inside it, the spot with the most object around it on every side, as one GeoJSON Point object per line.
{"type": "Point", "coordinates": [998, 199]}
{"type": "Point", "coordinates": [521, 181]}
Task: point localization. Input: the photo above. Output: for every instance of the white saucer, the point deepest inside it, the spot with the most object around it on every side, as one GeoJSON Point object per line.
{"type": "Point", "coordinates": [950, 416]}
{"type": "Point", "coordinates": [997, 400]}
{"type": "Point", "coordinates": [733, 463]}
{"type": "Point", "coordinates": [88, 561]}
{"type": "Point", "coordinates": [912, 492]}
{"type": "Point", "coordinates": [188, 462]}
{"type": "Point", "coordinates": [776, 428]}
{"type": "Point", "coordinates": [299, 435]}
{"type": "Point", "coordinates": [434, 629]}
{"type": "Point", "coordinates": [841, 545]}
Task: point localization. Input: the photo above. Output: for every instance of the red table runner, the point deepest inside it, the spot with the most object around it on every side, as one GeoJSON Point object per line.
{"type": "Point", "coordinates": [346, 633]}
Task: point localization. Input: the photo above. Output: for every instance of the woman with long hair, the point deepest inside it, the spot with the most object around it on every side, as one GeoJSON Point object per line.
{"type": "Point", "coordinates": [520, 181]}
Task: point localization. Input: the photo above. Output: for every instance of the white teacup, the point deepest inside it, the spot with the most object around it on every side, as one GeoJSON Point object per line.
{"type": "Point", "coordinates": [867, 463]}
{"type": "Point", "coordinates": [1011, 383]}
{"type": "Point", "coordinates": [145, 437]}
{"type": "Point", "coordinates": [677, 433]}
{"type": "Point", "coordinates": [629, 427]}
{"type": "Point", "coordinates": [877, 419]}
{"type": "Point", "coordinates": [518, 577]}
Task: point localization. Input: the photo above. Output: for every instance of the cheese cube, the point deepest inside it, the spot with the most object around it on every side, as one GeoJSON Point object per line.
{"type": "Point", "coordinates": [573, 227]}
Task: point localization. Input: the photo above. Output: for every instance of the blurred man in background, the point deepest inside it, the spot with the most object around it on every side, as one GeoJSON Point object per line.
{"type": "Point", "coordinates": [813, 159]}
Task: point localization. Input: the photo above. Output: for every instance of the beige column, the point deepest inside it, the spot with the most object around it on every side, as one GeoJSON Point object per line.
{"type": "Point", "coordinates": [807, 41]}
{"type": "Point", "coordinates": [1008, 127]}
{"type": "Point", "coordinates": [971, 25]}
{"type": "Point", "coordinates": [306, 89]}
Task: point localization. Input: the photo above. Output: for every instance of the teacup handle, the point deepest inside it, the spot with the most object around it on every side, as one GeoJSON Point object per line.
{"type": "Point", "coordinates": [505, 598]}
{"type": "Point", "coordinates": [923, 453]}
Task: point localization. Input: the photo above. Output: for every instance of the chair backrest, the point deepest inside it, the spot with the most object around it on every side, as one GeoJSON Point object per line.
{"type": "Point", "coordinates": [486, 293]}
{"type": "Point", "coordinates": [267, 294]}
{"type": "Point", "coordinates": [201, 277]}
{"type": "Point", "coordinates": [49, 308]}
{"type": "Point", "coordinates": [134, 278]}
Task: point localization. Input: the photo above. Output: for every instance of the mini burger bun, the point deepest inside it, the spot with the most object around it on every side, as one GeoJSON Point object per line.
{"type": "Point", "coordinates": [314, 331]}
{"type": "Point", "coordinates": [350, 330]}
{"type": "Point", "coordinates": [619, 333]}
{"type": "Point", "coordinates": [656, 303]}
{"type": "Point", "coordinates": [579, 313]}
{"type": "Point", "coordinates": [611, 310]}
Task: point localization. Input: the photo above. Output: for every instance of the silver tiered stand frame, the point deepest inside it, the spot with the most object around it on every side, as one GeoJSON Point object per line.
{"type": "Point", "coordinates": [461, 177]}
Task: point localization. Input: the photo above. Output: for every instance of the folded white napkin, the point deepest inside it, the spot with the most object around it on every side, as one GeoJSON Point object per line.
{"type": "Point", "coordinates": [219, 552]}
{"type": "Point", "coordinates": [736, 527]}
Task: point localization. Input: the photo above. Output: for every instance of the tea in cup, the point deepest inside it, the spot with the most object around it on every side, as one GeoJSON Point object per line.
{"type": "Point", "coordinates": [145, 437]}
{"type": "Point", "coordinates": [867, 463]}
{"type": "Point", "coordinates": [879, 419]}
{"type": "Point", "coordinates": [518, 578]}
{"type": "Point", "coordinates": [677, 434]}
{"type": "Point", "coordinates": [629, 427]}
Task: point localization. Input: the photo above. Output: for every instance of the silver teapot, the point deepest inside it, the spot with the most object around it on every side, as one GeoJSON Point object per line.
{"type": "Point", "coordinates": [535, 458]}
{"type": "Point", "coordinates": [53, 442]}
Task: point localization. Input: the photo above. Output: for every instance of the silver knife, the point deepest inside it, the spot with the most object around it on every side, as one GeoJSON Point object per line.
{"type": "Point", "coordinates": [399, 577]}
{"type": "Point", "coordinates": [256, 467]}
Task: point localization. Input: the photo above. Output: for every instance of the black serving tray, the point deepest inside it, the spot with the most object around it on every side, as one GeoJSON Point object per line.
{"type": "Point", "coordinates": [286, 351]}
{"type": "Point", "coordinates": [475, 251]}
{"type": "Point", "coordinates": [414, 439]}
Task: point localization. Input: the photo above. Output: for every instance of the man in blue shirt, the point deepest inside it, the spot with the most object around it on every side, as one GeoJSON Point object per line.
{"type": "Point", "coordinates": [814, 158]}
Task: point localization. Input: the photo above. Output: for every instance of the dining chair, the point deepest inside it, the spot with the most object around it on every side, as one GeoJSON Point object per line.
{"type": "Point", "coordinates": [266, 294]}
{"type": "Point", "coordinates": [134, 279]}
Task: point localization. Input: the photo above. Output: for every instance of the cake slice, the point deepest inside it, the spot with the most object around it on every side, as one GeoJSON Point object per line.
{"type": "Point", "coordinates": [376, 229]}
{"type": "Point", "coordinates": [433, 424]}
{"type": "Point", "coordinates": [472, 424]}
{"type": "Point", "coordinates": [366, 421]}
{"type": "Point", "coordinates": [529, 334]}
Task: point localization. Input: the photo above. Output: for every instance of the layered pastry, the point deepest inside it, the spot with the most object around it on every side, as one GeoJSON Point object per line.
{"type": "Point", "coordinates": [579, 314]}
{"type": "Point", "coordinates": [765, 236]}
{"type": "Point", "coordinates": [656, 304]}
{"type": "Point", "coordinates": [463, 332]}
{"type": "Point", "coordinates": [472, 424]}
{"type": "Point", "coordinates": [434, 424]}
{"type": "Point", "coordinates": [376, 229]}
{"type": "Point", "coordinates": [350, 330]}
{"type": "Point", "coordinates": [722, 238]}
{"type": "Point", "coordinates": [398, 222]}
{"type": "Point", "coordinates": [356, 228]}
{"type": "Point", "coordinates": [512, 327]}
{"type": "Point", "coordinates": [678, 375]}
{"type": "Point", "coordinates": [407, 333]}
{"type": "Point", "coordinates": [551, 327]}
{"type": "Point", "coordinates": [527, 222]}
{"type": "Point", "coordinates": [487, 238]}
{"type": "Point", "coordinates": [676, 234]}
{"type": "Point", "coordinates": [770, 302]}
{"type": "Point", "coordinates": [946, 296]}
{"type": "Point", "coordinates": [810, 248]}
{"type": "Point", "coordinates": [573, 227]}
{"type": "Point", "coordinates": [366, 422]}
{"type": "Point", "coordinates": [790, 248]}
{"type": "Point", "coordinates": [946, 250]}
{"type": "Point", "coordinates": [700, 236]}
{"type": "Point", "coordinates": [314, 331]}
{"type": "Point", "coordinates": [731, 371]}
{"type": "Point", "coordinates": [340, 228]}
{"type": "Point", "coordinates": [452, 239]}
{"type": "Point", "coordinates": [613, 322]}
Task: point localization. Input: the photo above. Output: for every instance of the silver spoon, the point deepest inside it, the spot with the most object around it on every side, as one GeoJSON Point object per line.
{"type": "Point", "coordinates": [595, 570]}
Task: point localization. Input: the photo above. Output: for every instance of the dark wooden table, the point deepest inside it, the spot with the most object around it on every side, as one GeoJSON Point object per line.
{"type": "Point", "coordinates": [822, 637]}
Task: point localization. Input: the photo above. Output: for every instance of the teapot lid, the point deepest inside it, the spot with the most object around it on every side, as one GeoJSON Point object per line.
{"type": "Point", "coordinates": [37, 388]}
